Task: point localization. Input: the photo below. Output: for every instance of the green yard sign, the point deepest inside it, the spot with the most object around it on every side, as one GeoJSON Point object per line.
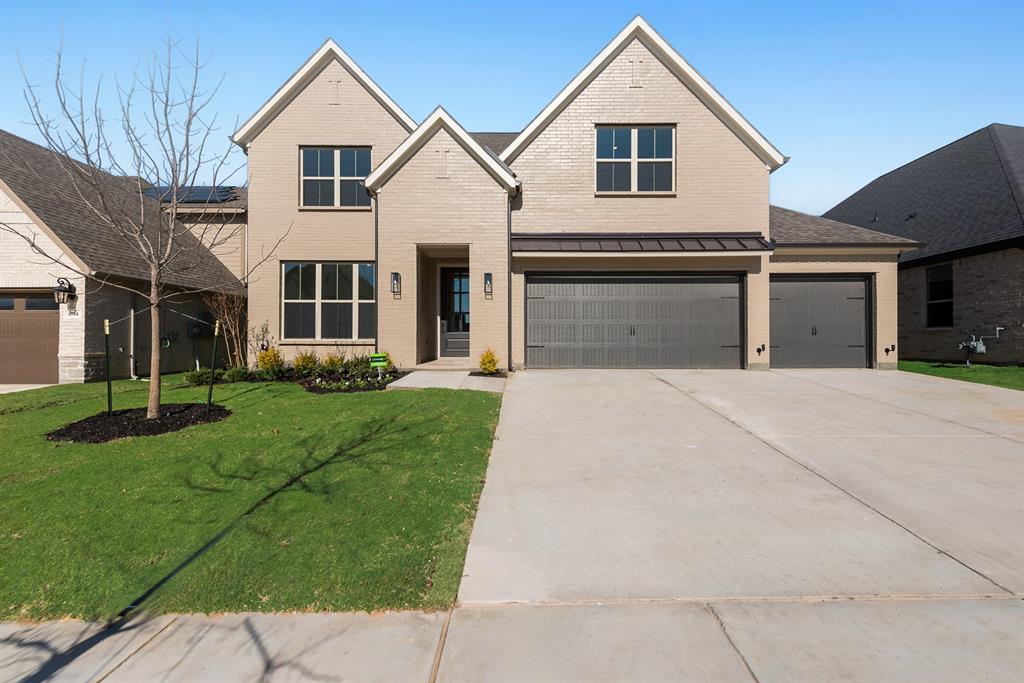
{"type": "Point", "coordinates": [378, 360]}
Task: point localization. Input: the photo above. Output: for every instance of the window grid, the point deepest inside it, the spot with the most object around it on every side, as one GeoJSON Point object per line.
{"type": "Point", "coordinates": [339, 179]}
{"type": "Point", "coordinates": [634, 159]}
{"type": "Point", "coordinates": [355, 298]}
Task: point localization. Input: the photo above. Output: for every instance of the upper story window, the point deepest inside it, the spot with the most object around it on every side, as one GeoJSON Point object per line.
{"type": "Point", "coordinates": [334, 176]}
{"type": "Point", "coordinates": [638, 159]}
{"type": "Point", "coordinates": [939, 304]}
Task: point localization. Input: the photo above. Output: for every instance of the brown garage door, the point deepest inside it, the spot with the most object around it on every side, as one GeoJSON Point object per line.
{"type": "Point", "coordinates": [29, 325]}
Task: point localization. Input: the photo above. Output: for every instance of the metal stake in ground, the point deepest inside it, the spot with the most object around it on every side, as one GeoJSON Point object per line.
{"type": "Point", "coordinates": [106, 345]}
{"type": "Point", "coordinates": [213, 363]}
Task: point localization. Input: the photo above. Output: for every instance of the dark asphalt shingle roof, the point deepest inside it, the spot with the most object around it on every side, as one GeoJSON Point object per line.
{"type": "Point", "coordinates": [496, 142]}
{"type": "Point", "coordinates": [788, 227]}
{"type": "Point", "coordinates": [963, 196]}
{"type": "Point", "coordinates": [39, 179]}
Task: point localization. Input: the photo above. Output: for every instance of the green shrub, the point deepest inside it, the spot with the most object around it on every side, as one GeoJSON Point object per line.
{"type": "Point", "coordinates": [201, 377]}
{"type": "Point", "coordinates": [489, 362]}
{"type": "Point", "coordinates": [332, 363]}
{"type": "Point", "coordinates": [271, 360]}
{"type": "Point", "coordinates": [239, 373]}
{"type": "Point", "coordinates": [306, 363]}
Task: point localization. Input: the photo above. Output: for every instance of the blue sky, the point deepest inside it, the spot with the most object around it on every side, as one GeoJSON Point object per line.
{"type": "Point", "coordinates": [848, 90]}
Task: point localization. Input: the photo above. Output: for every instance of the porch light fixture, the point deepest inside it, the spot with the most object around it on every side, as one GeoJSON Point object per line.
{"type": "Point", "coordinates": [488, 284]}
{"type": "Point", "coordinates": [396, 284]}
{"type": "Point", "coordinates": [64, 291]}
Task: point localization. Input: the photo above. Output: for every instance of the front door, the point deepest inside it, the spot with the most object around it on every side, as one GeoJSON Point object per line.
{"type": "Point", "coordinates": [455, 312]}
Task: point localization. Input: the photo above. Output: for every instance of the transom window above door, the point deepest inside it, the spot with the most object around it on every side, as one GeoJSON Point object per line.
{"type": "Point", "coordinates": [334, 177]}
{"type": "Point", "coordinates": [635, 159]}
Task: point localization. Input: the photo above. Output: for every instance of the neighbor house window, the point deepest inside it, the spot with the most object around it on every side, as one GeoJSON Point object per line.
{"type": "Point", "coordinates": [635, 159]}
{"type": "Point", "coordinates": [328, 300]}
{"type": "Point", "coordinates": [335, 176]}
{"type": "Point", "coordinates": [940, 296]}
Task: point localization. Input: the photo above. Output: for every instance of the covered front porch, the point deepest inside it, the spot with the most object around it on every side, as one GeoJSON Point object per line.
{"type": "Point", "coordinates": [443, 305]}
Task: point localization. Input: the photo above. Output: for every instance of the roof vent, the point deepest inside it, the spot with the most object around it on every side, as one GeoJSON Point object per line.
{"type": "Point", "coordinates": [875, 219]}
{"type": "Point", "coordinates": [909, 216]}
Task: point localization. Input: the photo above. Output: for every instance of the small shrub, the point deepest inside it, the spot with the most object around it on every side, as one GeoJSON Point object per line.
{"type": "Point", "coordinates": [489, 362]}
{"type": "Point", "coordinates": [239, 373]}
{"type": "Point", "coordinates": [201, 377]}
{"type": "Point", "coordinates": [306, 363]}
{"type": "Point", "coordinates": [270, 359]}
{"type": "Point", "coordinates": [332, 363]}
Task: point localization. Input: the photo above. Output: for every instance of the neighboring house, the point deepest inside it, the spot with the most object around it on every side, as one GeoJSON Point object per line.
{"type": "Point", "coordinates": [628, 225]}
{"type": "Point", "coordinates": [965, 201]}
{"type": "Point", "coordinates": [41, 342]}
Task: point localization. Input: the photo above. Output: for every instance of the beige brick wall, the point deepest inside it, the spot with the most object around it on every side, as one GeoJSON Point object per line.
{"type": "Point", "coordinates": [468, 207]}
{"type": "Point", "coordinates": [753, 267]}
{"type": "Point", "coordinates": [720, 182]}
{"type": "Point", "coordinates": [988, 290]}
{"type": "Point", "coordinates": [334, 109]}
{"type": "Point", "coordinates": [22, 268]}
{"type": "Point", "coordinates": [883, 270]}
{"type": "Point", "coordinates": [226, 234]}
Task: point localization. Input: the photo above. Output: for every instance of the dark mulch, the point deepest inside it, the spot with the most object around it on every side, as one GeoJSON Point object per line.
{"type": "Point", "coordinates": [132, 422]}
{"type": "Point", "coordinates": [337, 385]}
{"type": "Point", "coordinates": [499, 373]}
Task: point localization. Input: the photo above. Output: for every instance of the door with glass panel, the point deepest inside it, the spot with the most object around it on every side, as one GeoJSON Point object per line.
{"type": "Point", "coordinates": [455, 312]}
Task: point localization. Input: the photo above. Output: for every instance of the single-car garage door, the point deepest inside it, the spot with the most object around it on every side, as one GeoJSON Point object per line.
{"type": "Point", "coordinates": [579, 320]}
{"type": "Point", "coordinates": [819, 322]}
{"type": "Point", "coordinates": [29, 325]}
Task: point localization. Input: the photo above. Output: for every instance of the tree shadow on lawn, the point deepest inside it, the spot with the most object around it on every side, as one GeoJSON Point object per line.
{"type": "Point", "coordinates": [378, 437]}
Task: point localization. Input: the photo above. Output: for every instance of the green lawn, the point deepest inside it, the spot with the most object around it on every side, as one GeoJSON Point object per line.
{"type": "Point", "coordinates": [296, 501]}
{"type": "Point", "coordinates": [1008, 376]}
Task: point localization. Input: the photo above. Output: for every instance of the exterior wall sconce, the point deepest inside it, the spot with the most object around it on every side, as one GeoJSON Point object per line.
{"type": "Point", "coordinates": [488, 284]}
{"type": "Point", "coordinates": [396, 284]}
{"type": "Point", "coordinates": [64, 291]}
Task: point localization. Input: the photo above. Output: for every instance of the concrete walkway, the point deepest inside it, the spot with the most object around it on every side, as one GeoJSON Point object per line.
{"type": "Point", "coordinates": [448, 379]}
{"type": "Point", "coordinates": [14, 388]}
{"type": "Point", "coordinates": [674, 526]}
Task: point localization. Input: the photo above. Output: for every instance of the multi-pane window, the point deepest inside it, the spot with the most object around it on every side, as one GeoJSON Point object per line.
{"type": "Point", "coordinates": [635, 159]}
{"type": "Point", "coordinates": [939, 304]}
{"type": "Point", "coordinates": [329, 300]}
{"type": "Point", "coordinates": [335, 176]}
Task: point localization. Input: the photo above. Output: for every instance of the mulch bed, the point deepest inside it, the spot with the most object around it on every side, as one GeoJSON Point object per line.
{"type": "Point", "coordinates": [500, 373]}
{"type": "Point", "coordinates": [333, 386]}
{"type": "Point", "coordinates": [132, 422]}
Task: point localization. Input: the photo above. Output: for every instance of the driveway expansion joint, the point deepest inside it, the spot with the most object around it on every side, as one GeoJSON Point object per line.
{"type": "Point", "coordinates": [725, 632]}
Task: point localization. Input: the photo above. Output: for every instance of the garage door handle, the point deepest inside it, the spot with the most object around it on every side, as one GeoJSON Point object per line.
{"type": "Point", "coordinates": [814, 330]}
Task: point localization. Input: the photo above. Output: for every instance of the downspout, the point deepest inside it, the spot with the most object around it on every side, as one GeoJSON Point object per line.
{"type": "Point", "coordinates": [131, 336]}
{"type": "Point", "coordinates": [508, 276]}
{"type": "Point", "coordinates": [376, 270]}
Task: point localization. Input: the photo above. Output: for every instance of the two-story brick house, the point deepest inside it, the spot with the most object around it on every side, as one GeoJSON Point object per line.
{"type": "Point", "coordinates": [628, 225]}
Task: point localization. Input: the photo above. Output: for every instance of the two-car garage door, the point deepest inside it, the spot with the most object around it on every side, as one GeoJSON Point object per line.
{"type": "Point", "coordinates": [633, 321]}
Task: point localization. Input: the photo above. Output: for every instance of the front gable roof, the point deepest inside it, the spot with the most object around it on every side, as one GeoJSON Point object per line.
{"type": "Point", "coordinates": [328, 52]}
{"type": "Point", "coordinates": [640, 30]}
{"type": "Point", "coordinates": [437, 120]}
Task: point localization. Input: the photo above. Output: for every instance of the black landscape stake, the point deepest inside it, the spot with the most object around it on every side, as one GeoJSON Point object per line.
{"type": "Point", "coordinates": [213, 363]}
{"type": "Point", "coordinates": [106, 344]}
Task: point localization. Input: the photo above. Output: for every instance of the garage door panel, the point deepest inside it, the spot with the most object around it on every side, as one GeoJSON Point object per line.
{"type": "Point", "coordinates": [819, 322]}
{"type": "Point", "coordinates": [635, 321]}
{"type": "Point", "coordinates": [28, 341]}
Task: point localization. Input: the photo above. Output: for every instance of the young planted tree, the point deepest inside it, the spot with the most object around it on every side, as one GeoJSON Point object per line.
{"type": "Point", "coordinates": [134, 176]}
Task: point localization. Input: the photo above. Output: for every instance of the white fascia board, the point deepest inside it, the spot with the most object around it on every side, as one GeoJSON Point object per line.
{"type": "Point", "coordinates": [329, 50]}
{"type": "Point", "coordinates": [439, 118]}
{"type": "Point", "coordinates": [639, 28]}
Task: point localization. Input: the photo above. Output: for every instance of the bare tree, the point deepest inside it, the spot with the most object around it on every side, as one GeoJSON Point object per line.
{"type": "Point", "coordinates": [229, 309]}
{"type": "Point", "coordinates": [165, 122]}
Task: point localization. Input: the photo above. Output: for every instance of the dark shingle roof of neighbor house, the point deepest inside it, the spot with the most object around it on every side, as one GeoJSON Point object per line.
{"type": "Point", "coordinates": [959, 198]}
{"type": "Point", "coordinates": [496, 142]}
{"type": "Point", "coordinates": [793, 228]}
{"type": "Point", "coordinates": [38, 179]}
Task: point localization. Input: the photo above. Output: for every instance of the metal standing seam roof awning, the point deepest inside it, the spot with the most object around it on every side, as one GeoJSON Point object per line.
{"type": "Point", "coordinates": [646, 243]}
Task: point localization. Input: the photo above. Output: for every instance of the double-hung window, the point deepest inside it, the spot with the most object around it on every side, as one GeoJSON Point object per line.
{"type": "Point", "coordinates": [635, 160]}
{"type": "Point", "coordinates": [335, 176]}
{"type": "Point", "coordinates": [939, 304]}
{"type": "Point", "coordinates": [333, 301]}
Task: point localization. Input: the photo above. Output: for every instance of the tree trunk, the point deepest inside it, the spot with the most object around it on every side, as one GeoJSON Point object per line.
{"type": "Point", "coordinates": [153, 409]}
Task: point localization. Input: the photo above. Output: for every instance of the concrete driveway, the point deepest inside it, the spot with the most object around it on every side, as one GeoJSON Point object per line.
{"type": "Point", "coordinates": [816, 525]}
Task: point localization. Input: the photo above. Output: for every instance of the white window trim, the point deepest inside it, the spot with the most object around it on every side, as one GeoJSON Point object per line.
{"type": "Point", "coordinates": [337, 178]}
{"type": "Point", "coordinates": [355, 301]}
{"type": "Point", "coordinates": [634, 161]}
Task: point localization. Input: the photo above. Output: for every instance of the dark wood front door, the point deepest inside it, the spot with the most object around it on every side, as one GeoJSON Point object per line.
{"type": "Point", "coordinates": [454, 311]}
